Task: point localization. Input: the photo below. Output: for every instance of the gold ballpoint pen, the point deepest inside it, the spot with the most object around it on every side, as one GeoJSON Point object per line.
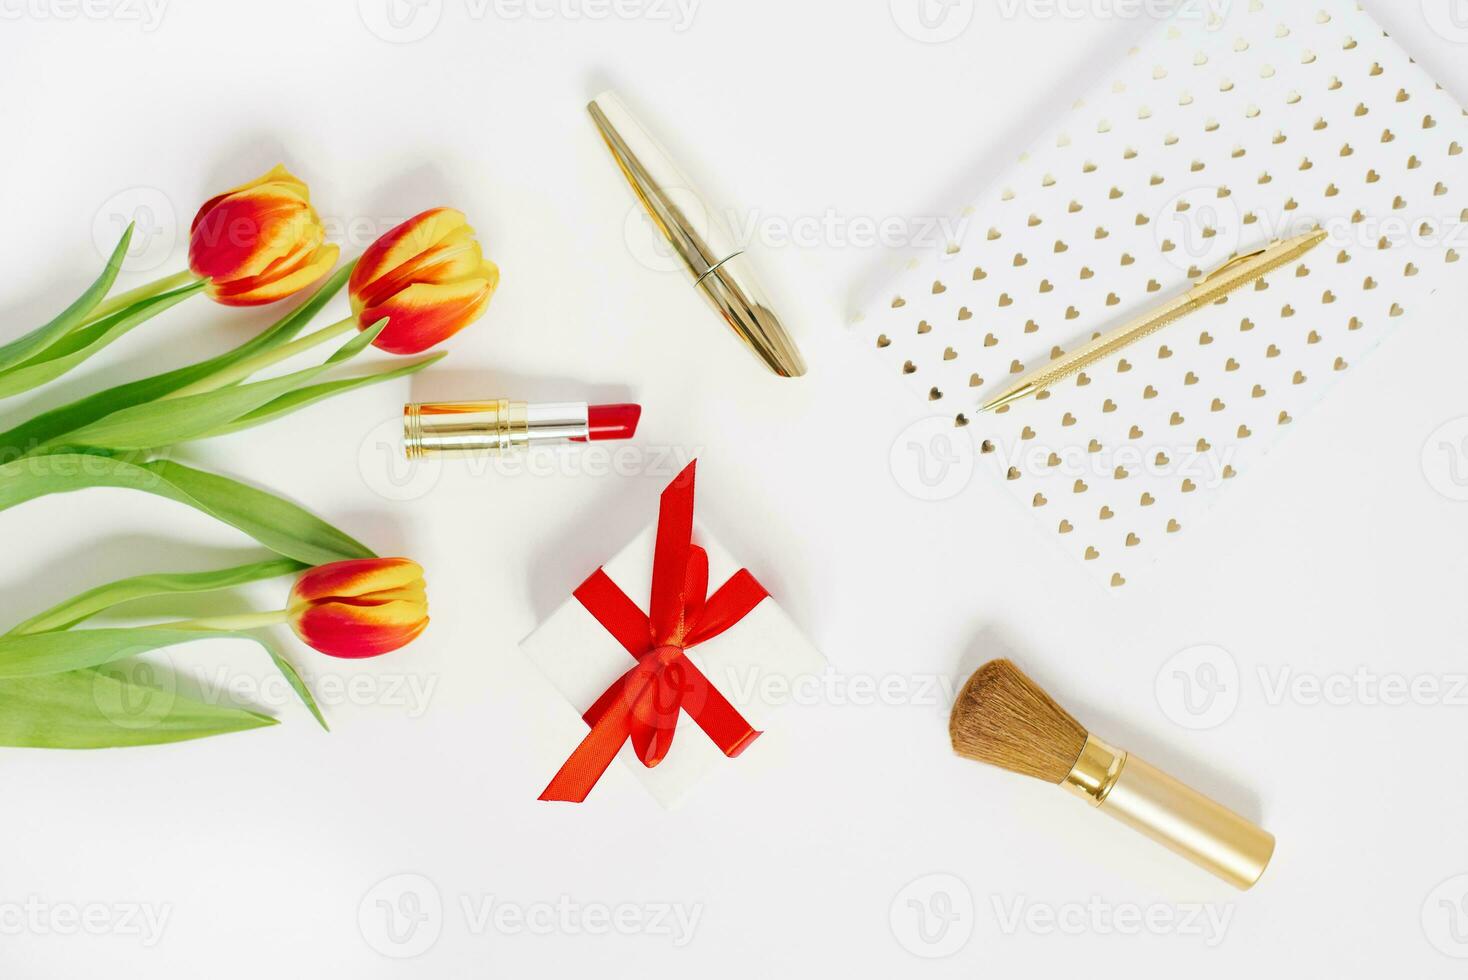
{"type": "Point", "coordinates": [1236, 273]}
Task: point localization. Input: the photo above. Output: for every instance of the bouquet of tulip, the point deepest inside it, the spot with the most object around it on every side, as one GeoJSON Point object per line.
{"type": "Point", "coordinates": [417, 285]}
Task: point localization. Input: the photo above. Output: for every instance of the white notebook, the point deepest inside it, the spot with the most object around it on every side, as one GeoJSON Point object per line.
{"type": "Point", "coordinates": [1212, 136]}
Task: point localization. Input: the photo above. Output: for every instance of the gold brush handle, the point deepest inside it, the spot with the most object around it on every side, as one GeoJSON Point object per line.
{"type": "Point", "coordinates": [1188, 823]}
{"type": "Point", "coordinates": [1181, 819]}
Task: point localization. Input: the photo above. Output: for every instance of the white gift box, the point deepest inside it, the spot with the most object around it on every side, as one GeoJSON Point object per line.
{"type": "Point", "coordinates": [764, 652]}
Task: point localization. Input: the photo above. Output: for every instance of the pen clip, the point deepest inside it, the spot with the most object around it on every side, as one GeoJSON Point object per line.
{"type": "Point", "coordinates": [1232, 264]}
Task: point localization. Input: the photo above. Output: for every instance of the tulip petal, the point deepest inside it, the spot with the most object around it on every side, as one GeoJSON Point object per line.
{"type": "Point", "coordinates": [272, 286]}
{"type": "Point", "coordinates": [412, 592]}
{"type": "Point", "coordinates": [355, 577]}
{"type": "Point", "coordinates": [456, 258]}
{"type": "Point", "coordinates": [352, 631]}
{"type": "Point", "coordinates": [425, 314]}
{"type": "Point", "coordinates": [397, 246]}
{"type": "Point", "coordinates": [278, 176]}
{"type": "Point", "coordinates": [241, 236]}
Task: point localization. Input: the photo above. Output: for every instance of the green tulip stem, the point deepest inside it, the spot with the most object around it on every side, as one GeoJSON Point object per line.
{"type": "Point", "coordinates": [123, 300]}
{"type": "Point", "coordinates": [241, 370]}
{"type": "Point", "coordinates": [244, 621]}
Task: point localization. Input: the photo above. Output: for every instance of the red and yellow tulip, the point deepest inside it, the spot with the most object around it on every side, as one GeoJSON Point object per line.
{"type": "Point", "coordinates": [424, 281]}
{"type": "Point", "coordinates": [260, 242]}
{"type": "Point", "coordinates": [428, 276]}
{"type": "Point", "coordinates": [359, 608]}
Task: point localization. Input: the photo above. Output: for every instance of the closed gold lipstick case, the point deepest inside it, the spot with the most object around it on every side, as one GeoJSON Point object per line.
{"type": "Point", "coordinates": [700, 238]}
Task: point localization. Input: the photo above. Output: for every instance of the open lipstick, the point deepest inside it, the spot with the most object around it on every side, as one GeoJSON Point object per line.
{"type": "Point", "coordinates": [500, 424]}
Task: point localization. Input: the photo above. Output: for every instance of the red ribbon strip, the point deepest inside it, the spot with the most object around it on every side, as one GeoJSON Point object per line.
{"type": "Point", "coordinates": [643, 704]}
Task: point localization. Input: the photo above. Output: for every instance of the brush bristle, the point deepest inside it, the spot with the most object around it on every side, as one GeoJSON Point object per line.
{"type": "Point", "coordinates": [1007, 720]}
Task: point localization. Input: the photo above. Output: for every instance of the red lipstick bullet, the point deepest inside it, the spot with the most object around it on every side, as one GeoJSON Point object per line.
{"type": "Point", "coordinates": [611, 422]}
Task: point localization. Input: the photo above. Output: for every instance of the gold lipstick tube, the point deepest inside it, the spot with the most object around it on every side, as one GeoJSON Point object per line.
{"type": "Point", "coordinates": [701, 239]}
{"type": "Point", "coordinates": [488, 426]}
{"type": "Point", "coordinates": [1181, 819]}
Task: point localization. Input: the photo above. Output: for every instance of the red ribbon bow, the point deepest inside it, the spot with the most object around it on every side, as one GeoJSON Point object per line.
{"type": "Point", "coordinates": [643, 704]}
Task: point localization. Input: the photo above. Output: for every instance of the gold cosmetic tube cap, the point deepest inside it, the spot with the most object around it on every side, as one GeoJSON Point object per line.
{"type": "Point", "coordinates": [697, 235]}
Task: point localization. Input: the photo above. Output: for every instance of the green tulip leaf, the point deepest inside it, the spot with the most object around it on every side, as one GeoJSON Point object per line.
{"type": "Point", "coordinates": [35, 654]}
{"type": "Point", "coordinates": [174, 420]}
{"type": "Point", "coordinates": [293, 678]}
{"type": "Point", "coordinates": [81, 344]}
{"type": "Point", "coordinates": [355, 346]}
{"type": "Point", "coordinates": [284, 329]}
{"type": "Point", "coordinates": [48, 427]}
{"type": "Point", "coordinates": [279, 525]}
{"type": "Point", "coordinates": [82, 607]}
{"type": "Point", "coordinates": [24, 348]}
{"type": "Point", "coordinates": [107, 708]}
{"type": "Point", "coordinates": [32, 654]}
{"type": "Point", "coordinates": [310, 394]}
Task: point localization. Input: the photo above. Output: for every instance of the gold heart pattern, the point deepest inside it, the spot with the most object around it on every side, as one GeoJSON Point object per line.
{"type": "Point", "coordinates": [1209, 138]}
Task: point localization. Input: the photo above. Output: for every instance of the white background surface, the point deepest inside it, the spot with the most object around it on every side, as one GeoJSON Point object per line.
{"type": "Point", "coordinates": [271, 850]}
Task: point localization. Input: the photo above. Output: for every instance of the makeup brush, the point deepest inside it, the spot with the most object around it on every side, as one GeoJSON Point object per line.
{"type": "Point", "coordinates": [1005, 719]}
